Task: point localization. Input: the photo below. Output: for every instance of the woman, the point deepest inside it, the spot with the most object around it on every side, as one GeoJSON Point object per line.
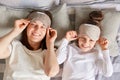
{"type": "Point", "coordinates": [29, 59]}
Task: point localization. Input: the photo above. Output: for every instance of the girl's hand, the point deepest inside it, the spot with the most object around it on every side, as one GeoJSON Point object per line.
{"type": "Point", "coordinates": [20, 25]}
{"type": "Point", "coordinates": [103, 42]}
{"type": "Point", "coordinates": [71, 35]}
{"type": "Point", "coordinates": [51, 35]}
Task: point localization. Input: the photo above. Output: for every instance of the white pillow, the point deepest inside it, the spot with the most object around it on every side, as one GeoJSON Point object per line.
{"type": "Point", "coordinates": [35, 4]}
{"type": "Point", "coordinates": [61, 22]}
{"type": "Point", "coordinates": [110, 28]}
{"type": "Point", "coordinates": [110, 25]}
{"type": "Point", "coordinates": [81, 16]}
{"type": "Point", "coordinates": [8, 16]}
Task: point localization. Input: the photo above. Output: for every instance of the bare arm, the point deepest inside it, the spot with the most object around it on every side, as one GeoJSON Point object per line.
{"type": "Point", "coordinates": [51, 65]}
{"type": "Point", "coordinates": [5, 40]}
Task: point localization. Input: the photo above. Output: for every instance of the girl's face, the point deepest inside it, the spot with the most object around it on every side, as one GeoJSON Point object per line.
{"type": "Point", "coordinates": [85, 43]}
{"type": "Point", "coordinates": [36, 31]}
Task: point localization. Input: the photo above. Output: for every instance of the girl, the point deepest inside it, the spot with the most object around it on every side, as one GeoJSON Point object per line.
{"type": "Point", "coordinates": [82, 60]}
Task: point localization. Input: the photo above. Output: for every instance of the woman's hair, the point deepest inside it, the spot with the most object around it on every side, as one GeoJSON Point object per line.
{"type": "Point", "coordinates": [24, 39]}
{"type": "Point", "coordinates": [95, 18]}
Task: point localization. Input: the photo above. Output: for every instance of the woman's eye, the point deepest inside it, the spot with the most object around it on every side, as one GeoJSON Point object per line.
{"type": "Point", "coordinates": [43, 27]}
{"type": "Point", "coordinates": [91, 40]}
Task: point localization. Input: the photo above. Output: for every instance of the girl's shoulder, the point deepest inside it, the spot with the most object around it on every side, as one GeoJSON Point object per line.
{"type": "Point", "coordinates": [73, 46]}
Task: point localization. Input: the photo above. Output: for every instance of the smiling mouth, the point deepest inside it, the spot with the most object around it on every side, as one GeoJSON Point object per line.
{"type": "Point", "coordinates": [85, 46]}
{"type": "Point", "coordinates": [36, 34]}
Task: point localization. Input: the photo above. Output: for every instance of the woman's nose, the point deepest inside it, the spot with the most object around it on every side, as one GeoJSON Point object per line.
{"type": "Point", "coordinates": [37, 28]}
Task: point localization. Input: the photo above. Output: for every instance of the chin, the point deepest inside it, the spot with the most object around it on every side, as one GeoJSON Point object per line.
{"type": "Point", "coordinates": [36, 40]}
{"type": "Point", "coordinates": [85, 50]}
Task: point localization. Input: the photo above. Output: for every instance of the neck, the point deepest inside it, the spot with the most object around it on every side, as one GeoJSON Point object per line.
{"type": "Point", "coordinates": [34, 45]}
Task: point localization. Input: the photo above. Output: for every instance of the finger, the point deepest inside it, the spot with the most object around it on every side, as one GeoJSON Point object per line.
{"type": "Point", "coordinates": [49, 27]}
{"type": "Point", "coordinates": [24, 22]}
{"type": "Point", "coordinates": [75, 36]}
{"type": "Point", "coordinates": [47, 32]}
{"type": "Point", "coordinates": [53, 32]}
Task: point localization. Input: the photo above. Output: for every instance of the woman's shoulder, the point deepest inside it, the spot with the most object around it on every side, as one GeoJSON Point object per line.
{"type": "Point", "coordinates": [16, 42]}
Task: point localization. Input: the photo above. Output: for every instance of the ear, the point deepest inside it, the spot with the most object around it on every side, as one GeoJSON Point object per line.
{"type": "Point", "coordinates": [98, 41]}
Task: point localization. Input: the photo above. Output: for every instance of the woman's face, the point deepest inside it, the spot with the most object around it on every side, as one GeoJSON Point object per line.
{"type": "Point", "coordinates": [36, 31]}
{"type": "Point", "coordinates": [85, 43]}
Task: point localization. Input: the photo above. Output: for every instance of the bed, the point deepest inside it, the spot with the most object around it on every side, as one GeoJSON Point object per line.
{"type": "Point", "coordinates": [67, 15]}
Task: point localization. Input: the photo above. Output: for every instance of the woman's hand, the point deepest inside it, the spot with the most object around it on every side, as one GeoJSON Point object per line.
{"type": "Point", "coordinates": [71, 35]}
{"type": "Point", "coordinates": [20, 25]}
{"type": "Point", "coordinates": [103, 42]}
{"type": "Point", "coordinates": [51, 66]}
{"type": "Point", "coordinates": [51, 35]}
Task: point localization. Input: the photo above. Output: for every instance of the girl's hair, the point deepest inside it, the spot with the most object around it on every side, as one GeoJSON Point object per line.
{"type": "Point", "coordinates": [24, 39]}
{"type": "Point", "coordinates": [95, 18]}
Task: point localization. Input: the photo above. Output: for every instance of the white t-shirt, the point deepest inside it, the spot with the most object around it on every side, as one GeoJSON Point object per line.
{"type": "Point", "coordinates": [83, 66]}
{"type": "Point", "coordinates": [24, 64]}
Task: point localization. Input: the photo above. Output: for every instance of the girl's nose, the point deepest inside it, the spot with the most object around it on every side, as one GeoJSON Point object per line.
{"type": "Point", "coordinates": [86, 43]}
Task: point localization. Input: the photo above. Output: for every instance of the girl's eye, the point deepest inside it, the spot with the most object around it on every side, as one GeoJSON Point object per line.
{"type": "Point", "coordinates": [32, 24]}
{"type": "Point", "coordinates": [81, 38]}
{"type": "Point", "coordinates": [43, 27]}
